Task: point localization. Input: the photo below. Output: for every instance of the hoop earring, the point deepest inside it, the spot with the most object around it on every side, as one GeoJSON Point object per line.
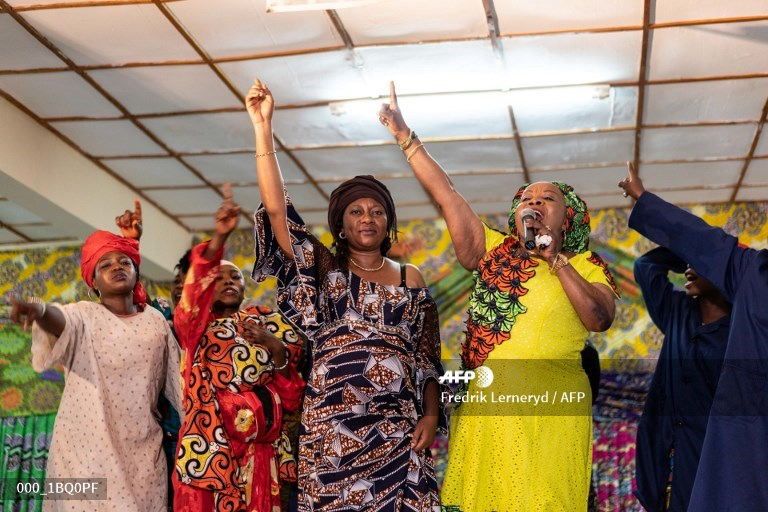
{"type": "Point", "coordinates": [342, 235]}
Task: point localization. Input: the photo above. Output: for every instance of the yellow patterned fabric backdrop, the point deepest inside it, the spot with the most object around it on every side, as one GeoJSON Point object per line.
{"type": "Point", "coordinates": [53, 273]}
{"type": "Point", "coordinates": [633, 338]}
{"type": "Point", "coordinates": [633, 334]}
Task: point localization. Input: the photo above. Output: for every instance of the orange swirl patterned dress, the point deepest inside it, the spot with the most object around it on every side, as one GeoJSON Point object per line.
{"type": "Point", "coordinates": [233, 450]}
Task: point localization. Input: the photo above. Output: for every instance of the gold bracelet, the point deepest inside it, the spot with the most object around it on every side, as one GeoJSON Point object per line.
{"type": "Point", "coordinates": [560, 261]}
{"type": "Point", "coordinates": [413, 151]}
{"type": "Point", "coordinates": [273, 152]}
{"type": "Point", "coordinates": [405, 144]}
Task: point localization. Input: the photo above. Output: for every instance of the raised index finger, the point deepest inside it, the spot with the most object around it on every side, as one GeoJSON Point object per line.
{"type": "Point", "coordinates": [632, 171]}
{"type": "Point", "coordinates": [392, 95]}
{"type": "Point", "coordinates": [226, 189]}
{"type": "Point", "coordinates": [137, 207]}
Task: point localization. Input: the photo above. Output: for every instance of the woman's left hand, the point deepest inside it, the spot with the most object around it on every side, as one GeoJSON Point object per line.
{"type": "Point", "coordinates": [130, 222]}
{"type": "Point", "coordinates": [391, 116]}
{"type": "Point", "coordinates": [424, 433]}
{"type": "Point", "coordinates": [261, 336]}
{"type": "Point", "coordinates": [550, 251]}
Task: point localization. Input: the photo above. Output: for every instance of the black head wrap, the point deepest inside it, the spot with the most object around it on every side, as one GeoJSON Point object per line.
{"type": "Point", "coordinates": [352, 190]}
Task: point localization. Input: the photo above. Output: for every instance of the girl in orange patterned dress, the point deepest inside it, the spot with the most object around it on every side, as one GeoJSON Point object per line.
{"type": "Point", "coordinates": [239, 376]}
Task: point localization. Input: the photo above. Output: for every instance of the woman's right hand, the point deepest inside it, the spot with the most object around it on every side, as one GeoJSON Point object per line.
{"type": "Point", "coordinates": [228, 215]}
{"type": "Point", "coordinates": [30, 311]}
{"type": "Point", "coordinates": [391, 117]}
{"type": "Point", "coordinates": [259, 103]}
{"type": "Point", "coordinates": [632, 184]}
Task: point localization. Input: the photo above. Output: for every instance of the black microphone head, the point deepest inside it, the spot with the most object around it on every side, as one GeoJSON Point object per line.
{"type": "Point", "coordinates": [528, 234]}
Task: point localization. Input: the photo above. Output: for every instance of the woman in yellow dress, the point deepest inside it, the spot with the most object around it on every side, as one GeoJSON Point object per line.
{"type": "Point", "coordinates": [527, 445]}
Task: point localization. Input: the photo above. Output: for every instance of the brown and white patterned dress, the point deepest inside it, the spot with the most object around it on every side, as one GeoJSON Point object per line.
{"type": "Point", "coordinates": [373, 348]}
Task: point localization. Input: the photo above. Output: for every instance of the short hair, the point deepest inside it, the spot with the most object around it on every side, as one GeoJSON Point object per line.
{"type": "Point", "coordinates": [183, 265]}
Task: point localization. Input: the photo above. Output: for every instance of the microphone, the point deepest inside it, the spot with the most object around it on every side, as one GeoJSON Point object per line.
{"type": "Point", "coordinates": [528, 234]}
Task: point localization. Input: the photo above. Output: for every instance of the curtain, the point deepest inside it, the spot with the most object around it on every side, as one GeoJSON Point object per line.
{"type": "Point", "coordinates": [25, 444]}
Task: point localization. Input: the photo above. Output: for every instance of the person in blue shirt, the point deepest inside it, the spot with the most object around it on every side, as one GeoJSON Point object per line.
{"type": "Point", "coordinates": [734, 457]}
{"type": "Point", "coordinates": [696, 323]}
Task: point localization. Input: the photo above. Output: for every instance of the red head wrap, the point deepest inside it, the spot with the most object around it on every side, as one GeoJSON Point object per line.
{"type": "Point", "coordinates": [99, 244]}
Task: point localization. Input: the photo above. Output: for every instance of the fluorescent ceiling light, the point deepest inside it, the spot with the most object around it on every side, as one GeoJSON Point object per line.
{"type": "Point", "coordinates": [313, 5]}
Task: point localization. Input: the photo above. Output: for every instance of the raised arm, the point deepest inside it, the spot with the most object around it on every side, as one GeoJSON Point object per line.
{"type": "Point", "coordinates": [651, 273]}
{"type": "Point", "coordinates": [51, 320]}
{"type": "Point", "coordinates": [260, 105]}
{"type": "Point", "coordinates": [192, 313]}
{"type": "Point", "coordinates": [464, 226]}
{"type": "Point", "coordinates": [716, 255]}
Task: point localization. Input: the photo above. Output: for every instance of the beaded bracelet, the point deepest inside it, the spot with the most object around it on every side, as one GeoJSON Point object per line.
{"type": "Point", "coordinates": [287, 360]}
{"type": "Point", "coordinates": [273, 152]}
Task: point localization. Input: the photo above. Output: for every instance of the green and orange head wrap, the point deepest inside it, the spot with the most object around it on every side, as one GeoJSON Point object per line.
{"type": "Point", "coordinates": [576, 218]}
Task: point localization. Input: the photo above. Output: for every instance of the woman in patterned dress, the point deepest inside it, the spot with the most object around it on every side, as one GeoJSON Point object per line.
{"type": "Point", "coordinates": [371, 408]}
{"type": "Point", "coordinates": [239, 376]}
{"type": "Point", "coordinates": [530, 312]}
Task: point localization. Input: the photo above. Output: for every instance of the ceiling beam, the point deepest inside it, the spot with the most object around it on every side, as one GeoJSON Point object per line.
{"type": "Point", "coordinates": [19, 234]}
{"type": "Point", "coordinates": [236, 92]}
{"type": "Point", "coordinates": [519, 144]}
{"type": "Point", "coordinates": [751, 154]}
{"type": "Point", "coordinates": [645, 50]}
{"type": "Point", "coordinates": [86, 3]}
{"type": "Point", "coordinates": [51, 179]}
{"type": "Point", "coordinates": [340, 28]}
{"type": "Point", "coordinates": [85, 76]}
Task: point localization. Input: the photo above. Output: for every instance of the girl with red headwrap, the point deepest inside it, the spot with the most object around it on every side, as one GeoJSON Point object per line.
{"type": "Point", "coordinates": [117, 354]}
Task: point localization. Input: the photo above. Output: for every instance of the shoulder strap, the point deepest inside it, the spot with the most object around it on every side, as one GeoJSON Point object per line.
{"type": "Point", "coordinates": [402, 276]}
